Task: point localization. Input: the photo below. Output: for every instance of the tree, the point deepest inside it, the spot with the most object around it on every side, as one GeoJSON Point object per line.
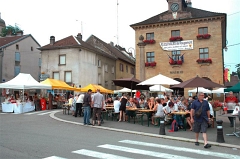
{"type": "Point", "coordinates": [238, 69]}
{"type": "Point", "coordinates": [9, 30]}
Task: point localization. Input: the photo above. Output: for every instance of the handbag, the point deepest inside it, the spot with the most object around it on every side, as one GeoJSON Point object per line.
{"type": "Point", "coordinates": [199, 112]}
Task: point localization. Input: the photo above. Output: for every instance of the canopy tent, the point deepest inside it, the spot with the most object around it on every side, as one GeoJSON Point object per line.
{"type": "Point", "coordinates": [124, 90]}
{"type": "Point", "coordinates": [24, 81]}
{"type": "Point", "coordinates": [219, 90]}
{"type": "Point", "coordinates": [57, 84]}
{"type": "Point", "coordinates": [159, 80]}
{"type": "Point", "coordinates": [157, 88]}
{"type": "Point", "coordinates": [94, 88]}
{"type": "Point", "coordinates": [235, 88]}
{"type": "Point", "coordinates": [200, 89]}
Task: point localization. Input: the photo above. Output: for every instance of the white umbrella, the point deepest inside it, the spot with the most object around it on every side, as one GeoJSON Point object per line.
{"type": "Point", "coordinates": [124, 90]}
{"type": "Point", "coordinates": [156, 88]}
{"type": "Point", "coordinates": [159, 80]}
{"type": "Point", "coordinates": [219, 90]}
{"type": "Point", "coordinates": [200, 89]}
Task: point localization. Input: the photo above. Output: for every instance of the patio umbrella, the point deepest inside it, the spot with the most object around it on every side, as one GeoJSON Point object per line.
{"type": "Point", "coordinates": [156, 88]}
{"type": "Point", "coordinates": [219, 90]}
{"type": "Point", "coordinates": [124, 90]}
{"type": "Point", "coordinates": [235, 88]}
{"type": "Point", "coordinates": [130, 83]}
{"type": "Point", "coordinates": [197, 82]}
{"type": "Point", "coordinates": [159, 80]}
{"type": "Point", "coordinates": [200, 89]}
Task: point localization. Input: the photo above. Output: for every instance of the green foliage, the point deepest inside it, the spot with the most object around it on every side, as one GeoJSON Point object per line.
{"type": "Point", "coordinates": [9, 30]}
{"type": "Point", "coordinates": [238, 69]}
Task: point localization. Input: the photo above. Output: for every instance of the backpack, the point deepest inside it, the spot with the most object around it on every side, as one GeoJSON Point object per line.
{"type": "Point", "coordinates": [174, 126]}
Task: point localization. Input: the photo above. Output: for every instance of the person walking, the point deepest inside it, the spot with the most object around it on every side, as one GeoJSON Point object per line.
{"type": "Point", "coordinates": [201, 111]}
{"type": "Point", "coordinates": [98, 103]}
{"type": "Point", "coordinates": [87, 101]}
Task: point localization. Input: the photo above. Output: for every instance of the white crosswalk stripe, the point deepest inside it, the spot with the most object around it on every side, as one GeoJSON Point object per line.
{"type": "Point", "coordinates": [143, 152]}
{"type": "Point", "coordinates": [54, 157]}
{"type": "Point", "coordinates": [181, 149]}
{"type": "Point", "coordinates": [98, 154]}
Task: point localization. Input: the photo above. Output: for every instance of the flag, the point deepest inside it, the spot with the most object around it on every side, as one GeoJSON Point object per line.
{"type": "Point", "coordinates": [226, 74]}
{"type": "Point", "coordinates": [171, 60]}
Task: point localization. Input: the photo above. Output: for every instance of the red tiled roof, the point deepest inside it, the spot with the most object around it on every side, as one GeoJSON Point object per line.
{"type": "Point", "coordinates": [68, 41]}
{"type": "Point", "coordinates": [7, 40]}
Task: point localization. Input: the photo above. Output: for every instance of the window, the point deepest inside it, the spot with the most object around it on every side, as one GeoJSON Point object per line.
{"type": "Point", "coordinates": [203, 53]}
{"type": "Point", "coordinates": [175, 33]}
{"type": "Point", "coordinates": [17, 47]}
{"type": "Point", "coordinates": [176, 55]}
{"type": "Point", "coordinates": [202, 31]}
{"type": "Point", "coordinates": [62, 59]}
{"type": "Point", "coordinates": [106, 68]}
{"type": "Point", "coordinates": [99, 63]}
{"type": "Point", "coordinates": [39, 62]}
{"type": "Point", "coordinates": [16, 70]}
{"type": "Point", "coordinates": [121, 67]}
{"type": "Point", "coordinates": [99, 79]}
{"type": "Point", "coordinates": [126, 68]}
{"type": "Point", "coordinates": [17, 56]}
{"type": "Point", "coordinates": [113, 69]}
{"type": "Point", "coordinates": [150, 36]}
{"type": "Point", "coordinates": [150, 56]}
{"type": "Point", "coordinates": [68, 77]}
{"type": "Point", "coordinates": [106, 83]}
{"type": "Point", "coordinates": [31, 48]}
{"type": "Point", "coordinates": [132, 70]}
{"type": "Point", "coordinates": [56, 75]}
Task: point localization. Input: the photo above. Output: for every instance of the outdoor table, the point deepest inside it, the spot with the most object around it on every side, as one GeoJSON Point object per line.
{"type": "Point", "coordinates": [234, 124]}
{"type": "Point", "coordinates": [146, 111]}
{"type": "Point", "coordinates": [132, 112]}
{"type": "Point", "coordinates": [109, 105]}
{"type": "Point", "coordinates": [183, 114]}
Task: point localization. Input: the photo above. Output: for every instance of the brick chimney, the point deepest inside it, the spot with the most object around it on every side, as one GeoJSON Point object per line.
{"type": "Point", "coordinates": [52, 40]}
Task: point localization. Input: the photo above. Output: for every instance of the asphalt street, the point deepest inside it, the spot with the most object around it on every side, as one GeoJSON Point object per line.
{"type": "Point", "coordinates": [36, 135]}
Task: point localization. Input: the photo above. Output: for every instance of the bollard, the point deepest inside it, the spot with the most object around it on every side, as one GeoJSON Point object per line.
{"type": "Point", "coordinates": [162, 126]}
{"type": "Point", "coordinates": [220, 137]}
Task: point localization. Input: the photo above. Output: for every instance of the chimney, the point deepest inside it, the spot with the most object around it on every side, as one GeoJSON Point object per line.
{"type": "Point", "coordinates": [52, 40]}
{"type": "Point", "coordinates": [20, 33]}
{"type": "Point", "coordinates": [111, 43]}
{"type": "Point", "coordinates": [189, 3]}
{"type": "Point", "coordinates": [79, 36]}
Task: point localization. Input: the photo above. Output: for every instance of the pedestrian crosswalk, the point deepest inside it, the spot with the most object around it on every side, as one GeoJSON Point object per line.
{"type": "Point", "coordinates": [45, 112]}
{"type": "Point", "coordinates": [129, 148]}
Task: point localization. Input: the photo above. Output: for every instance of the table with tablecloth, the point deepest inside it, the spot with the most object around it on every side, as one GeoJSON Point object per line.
{"type": "Point", "coordinates": [18, 107]}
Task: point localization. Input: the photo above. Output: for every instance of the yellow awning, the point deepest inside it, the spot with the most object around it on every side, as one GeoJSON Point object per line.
{"type": "Point", "coordinates": [94, 88]}
{"type": "Point", "coordinates": [57, 84]}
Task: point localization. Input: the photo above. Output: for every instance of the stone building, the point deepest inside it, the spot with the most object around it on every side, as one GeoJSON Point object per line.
{"type": "Point", "coordinates": [76, 62]}
{"type": "Point", "coordinates": [181, 43]}
{"type": "Point", "coordinates": [125, 64]}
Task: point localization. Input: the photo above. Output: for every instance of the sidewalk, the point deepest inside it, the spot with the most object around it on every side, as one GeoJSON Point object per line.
{"type": "Point", "coordinates": [152, 130]}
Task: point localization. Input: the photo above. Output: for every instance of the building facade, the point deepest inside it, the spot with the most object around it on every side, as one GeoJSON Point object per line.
{"type": "Point", "coordinates": [124, 63]}
{"type": "Point", "coordinates": [19, 54]}
{"type": "Point", "coordinates": [181, 43]}
{"type": "Point", "coordinates": [76, 62]}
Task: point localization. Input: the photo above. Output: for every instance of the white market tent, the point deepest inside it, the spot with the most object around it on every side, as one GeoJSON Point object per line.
{"type": "Point", "coordinates": [159, 80]}
{"type": "Point", "coordinates": [219, 90]}
{"type": "Point", "coordinates": [24, 81]}
{"type": "Point", "coordinates": [124, 90]}
{"type": "Point", "coordinates": [200, 89]}
{"type": "Point", "coordinates": [156, 88]}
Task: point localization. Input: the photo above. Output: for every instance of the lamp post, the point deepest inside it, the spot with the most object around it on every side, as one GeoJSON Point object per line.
{"type": "Point", "coordinates": [130, 51]}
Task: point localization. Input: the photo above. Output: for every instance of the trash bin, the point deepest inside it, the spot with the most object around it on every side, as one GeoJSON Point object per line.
{"type": "Point", "coordinates": [43, 103]}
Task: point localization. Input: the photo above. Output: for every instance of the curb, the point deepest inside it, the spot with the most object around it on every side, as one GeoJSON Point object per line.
{"type": "Point", "coordinates": [52, 115]}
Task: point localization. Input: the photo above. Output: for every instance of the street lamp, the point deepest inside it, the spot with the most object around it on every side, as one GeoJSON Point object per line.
{"type": "Point", "coordinates": [130, 50]}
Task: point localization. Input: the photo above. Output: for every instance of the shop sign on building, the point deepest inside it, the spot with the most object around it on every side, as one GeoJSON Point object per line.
{"type": "Point", "coordinates": [177, 45]}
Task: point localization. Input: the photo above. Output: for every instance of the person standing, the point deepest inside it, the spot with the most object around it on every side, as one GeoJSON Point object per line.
{"type": "Point", "coordinates": [98, 103]}
{"type": "Point", "coordinates": [87, 101]}
{"type": "Point", "coordinates": [36, 102]}
{"type": "Point", "coordinates": [78, 107]}
{"type": "Point", "coordinates": [50, 101]}
{"type": "Point", "coordinates": [230, 100]}
{"type": "Point", "coordinates": [80, 104]}
{"type": "Point", "coordinates": [201, 111]}
{"type": "Point", "coordinates": [122, 108]}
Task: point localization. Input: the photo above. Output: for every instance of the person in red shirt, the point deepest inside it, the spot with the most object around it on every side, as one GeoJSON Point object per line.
{"type": "Point", "coordinates": [138, 94]}
{"type": "Point", "coordinates": [231, 99]}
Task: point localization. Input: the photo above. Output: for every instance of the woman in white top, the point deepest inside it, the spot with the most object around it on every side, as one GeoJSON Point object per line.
{"type": "Point", "coordinates": [116, 105]}
{"type": "Point", "coordinates": [159, 108]}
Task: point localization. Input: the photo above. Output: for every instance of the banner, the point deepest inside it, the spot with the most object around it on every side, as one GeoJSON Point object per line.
{"type": "Point", "coordinates": [177, 45]}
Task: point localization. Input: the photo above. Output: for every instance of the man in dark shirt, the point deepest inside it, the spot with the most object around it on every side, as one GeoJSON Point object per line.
{"type": "Point", "coordinates": [200, 124]}
{"type": "Point", "coordinates": [87, 107]}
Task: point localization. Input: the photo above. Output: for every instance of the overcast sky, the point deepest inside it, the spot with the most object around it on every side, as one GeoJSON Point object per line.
{"type": "Point", "coordinates": [44, 18]}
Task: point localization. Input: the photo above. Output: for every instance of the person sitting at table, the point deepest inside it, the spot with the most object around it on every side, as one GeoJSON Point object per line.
{"type": "Point", "coordinates": [130, 104]}
{"type": "Point", "coordinates": [109, 101]}
{"type": "Point", "coordinates": [231, 99]}
{"type": "Point", "coordinates": [142, 102]}
{"type": "Point", "coordinates": [171, 107]}
{"type": "Point", "coordinates": [159, 108]}
{"type": "Point", "coordinates": [147, 103]}
{"type": "Point", "coordinates": [188, 116]}
{"type": "Point", "coordinates": [151, 103]}
{"type": "Point", "coordinates": [12, 100]}
{"type": "Point", "coordinates": [136, 102]}
{"type": "Point", "coordinates": [7, 98]}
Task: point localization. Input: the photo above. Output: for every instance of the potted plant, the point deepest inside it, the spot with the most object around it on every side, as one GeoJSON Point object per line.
{"type": "Point", "coordinates": [147, 64]}
{"type": "Point", "coordinates": [176, 38]}
{"type": "Point", "coordinates": [216, 105]}
{"type": "Point", "coordinates": [152, 41]}
{"type": "Point", "coordinates": [204, 60]}
{"type": "Point", "coordinates": [153, 64]}
{"type": "Point", "coordinates": [203, 36]}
